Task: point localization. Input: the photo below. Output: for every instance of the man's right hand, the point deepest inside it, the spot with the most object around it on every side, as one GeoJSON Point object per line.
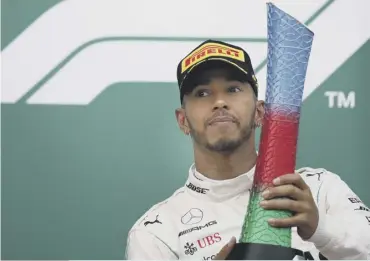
{"type": "Point", "coordinates": [225, 251]}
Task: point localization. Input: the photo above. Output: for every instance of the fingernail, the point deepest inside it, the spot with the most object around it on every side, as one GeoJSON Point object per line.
{"type": "Point", "coordinates": [263, 203]}
{"type": "Point", "coordinates": [231, 241]}
{"type": "Point", "coordinates": [276, 181]}
{"type": "Point", "coordinates": [265, 193]}
{"type": "Point", "coordinates": [271, 220]}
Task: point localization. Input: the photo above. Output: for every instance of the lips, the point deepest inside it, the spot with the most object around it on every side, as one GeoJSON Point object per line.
{"type": "Point", "coordinates": [221, 119]}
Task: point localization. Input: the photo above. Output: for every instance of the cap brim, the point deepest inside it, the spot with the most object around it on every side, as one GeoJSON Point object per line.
{"type": "Point", "coordinates": [209, 63]}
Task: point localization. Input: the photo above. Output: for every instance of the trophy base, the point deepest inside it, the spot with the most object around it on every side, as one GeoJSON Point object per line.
{"type": "Point", "coordinates": [251, 251]}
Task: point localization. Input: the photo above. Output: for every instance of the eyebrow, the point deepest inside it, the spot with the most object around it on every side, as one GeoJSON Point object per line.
{"type": "Point", "coordinates": [207, 80]}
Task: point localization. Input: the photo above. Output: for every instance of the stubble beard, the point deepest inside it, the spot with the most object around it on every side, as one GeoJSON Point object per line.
{"type": "Point", "coordinates": [224, 145]}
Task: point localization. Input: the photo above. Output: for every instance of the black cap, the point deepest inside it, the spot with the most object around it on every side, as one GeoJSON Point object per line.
{"type": "Point", "coordinates": [214, 54]}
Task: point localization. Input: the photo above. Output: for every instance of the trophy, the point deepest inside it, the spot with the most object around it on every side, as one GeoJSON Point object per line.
{"type": "Point", "coordinates": [289, 48]}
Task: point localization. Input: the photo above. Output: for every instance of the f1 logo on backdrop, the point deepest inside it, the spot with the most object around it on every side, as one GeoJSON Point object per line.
{"type": "Point", "coordinates": [101, 47]}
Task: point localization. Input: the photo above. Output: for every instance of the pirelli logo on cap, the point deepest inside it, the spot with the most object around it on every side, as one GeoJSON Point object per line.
{"type": "Point", "coordinates": [209, 50]}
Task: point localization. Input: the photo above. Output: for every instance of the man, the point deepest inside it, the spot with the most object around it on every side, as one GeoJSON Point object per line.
{"type": "Point", "coordinates": [220, 111]}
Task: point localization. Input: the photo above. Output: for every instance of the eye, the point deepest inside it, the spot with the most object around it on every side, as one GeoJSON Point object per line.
{"type": "Point", "coordinates": [234, 89]}
{"type": "Point", "coordinates": [202, 93]}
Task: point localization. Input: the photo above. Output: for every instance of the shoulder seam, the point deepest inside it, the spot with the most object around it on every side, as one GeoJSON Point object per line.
{"type": "Point", "coordinates": [307, 170]}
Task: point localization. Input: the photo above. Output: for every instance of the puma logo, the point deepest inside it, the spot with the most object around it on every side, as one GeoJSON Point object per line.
{"type": "Point", "coordinates": [152, 222]}
{"type": "Point", "coordinates": [314, 174]}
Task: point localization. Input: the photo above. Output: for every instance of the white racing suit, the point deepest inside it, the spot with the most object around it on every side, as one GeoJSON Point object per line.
{"type": "Point", "coordinates": [201, 217]}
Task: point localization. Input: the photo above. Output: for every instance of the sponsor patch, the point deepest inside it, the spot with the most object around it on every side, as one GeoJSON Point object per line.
{"type": "Point", "coordinates": [209, 50]}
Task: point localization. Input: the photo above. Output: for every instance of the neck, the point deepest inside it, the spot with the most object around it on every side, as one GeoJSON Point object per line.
{"type": "Point", "coordinates": [218, 166]}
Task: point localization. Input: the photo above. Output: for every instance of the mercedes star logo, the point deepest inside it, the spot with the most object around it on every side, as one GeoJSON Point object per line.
{"type": "Point", "coordinates": [193, 216]}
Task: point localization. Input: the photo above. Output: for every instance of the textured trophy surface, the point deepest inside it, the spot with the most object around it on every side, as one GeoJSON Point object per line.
{"type": "Point", "coordinates": [289, 48]}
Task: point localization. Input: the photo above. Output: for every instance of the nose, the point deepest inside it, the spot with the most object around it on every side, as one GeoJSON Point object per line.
{"type": "Point", "coordinates": [220, 104]}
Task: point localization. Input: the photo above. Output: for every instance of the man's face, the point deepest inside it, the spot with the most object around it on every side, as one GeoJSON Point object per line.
{"type": "Point", "coordinates": [220, 112]}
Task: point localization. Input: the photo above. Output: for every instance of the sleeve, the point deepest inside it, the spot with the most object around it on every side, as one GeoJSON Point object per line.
{"type": "Point", "coordinates": [344, 232]}
{"type": "Point", "coordinates": [143, 245]}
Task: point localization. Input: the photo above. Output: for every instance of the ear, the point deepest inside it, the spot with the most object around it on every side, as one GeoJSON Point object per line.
{"type": "Point", "coordinates": [182, 121]}
{"type": "Point", "coordinates": [260, 112]}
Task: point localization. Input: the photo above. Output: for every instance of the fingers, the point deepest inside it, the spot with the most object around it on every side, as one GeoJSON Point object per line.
{"type": "Point", "coordinates": [283, 191]}
{"type": "Point", "coordinates": [285, 204]}
{"type": "Point", "coordinates": [291, 193]}
{"type": "Point", "coordinates": [225, 251]}
{"type": "Point", "coordinates": [294, 179]}
{"type": "Point", "coordinates": [294, 221]}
